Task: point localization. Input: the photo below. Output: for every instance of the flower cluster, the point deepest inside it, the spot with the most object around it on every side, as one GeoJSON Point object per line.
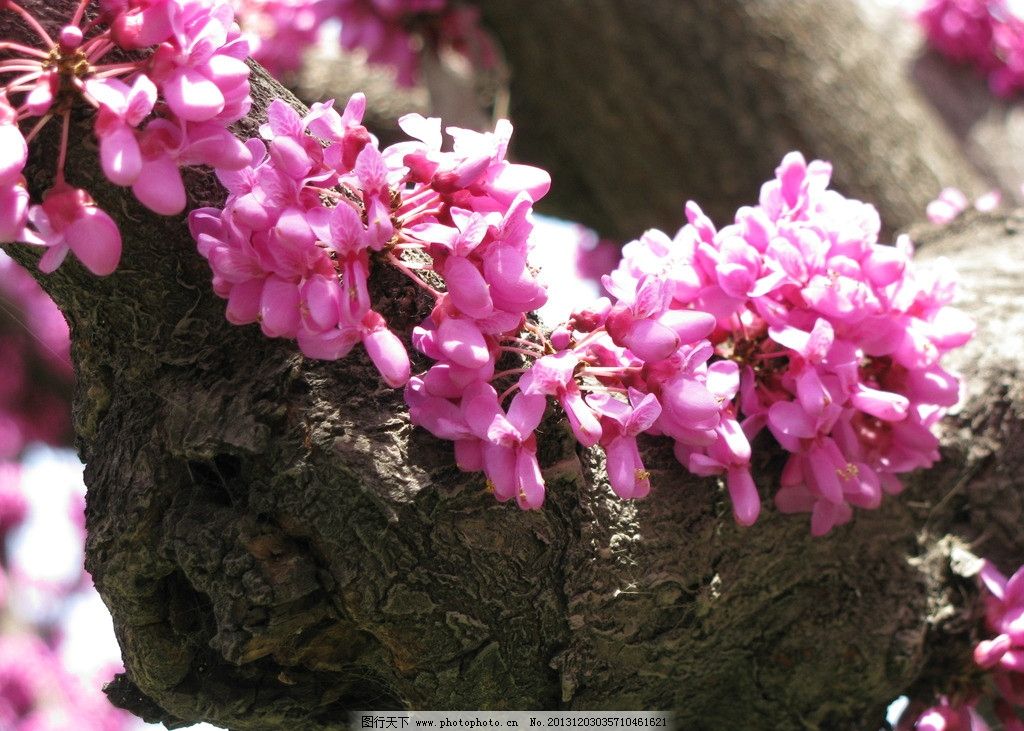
{"type": "Point", "coordinates": [303, 222]}
{"type": "Point", "coordinates": [827, 338]}
{"type": "Point", "coordinates": [793, 318]}
{"type": "Point", "coordinates": [35, 370]}
{"type": "Point", "coordinates": [281, 29]}
{"type": "Point", "coordinates": [37, 693]}
{"type": "Point", "coordinates": [43, 685]}
{"type": "Point", "coordinates": [988, 34]}
{"type": "Point", "coordinates": [1001, 656]}
{"type": "Point", "coordinates": [951, 202]}
{"type": "Point", "coordinates": [390, 32]}
{"type": "Point", "coordinates": [170, 106]}
{"type": "Point", "coordinates": [382, 29]}
{"type": "Point", "coordinates": [293, 247]}
{"type": "Point", "coordinates": [947, 715]}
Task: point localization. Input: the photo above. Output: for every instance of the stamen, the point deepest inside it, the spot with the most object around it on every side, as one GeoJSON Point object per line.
{"type": "Point", "coordinates": [848, 472]}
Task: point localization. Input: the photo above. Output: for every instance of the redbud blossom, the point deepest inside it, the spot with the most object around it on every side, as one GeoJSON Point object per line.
{"type": "Point", "coordinates": [986, 34]}
{"type": "Point", "coordinates": [835, 338]}
{"type": "Point", "coordinates": [68, 220]}
{"type": "Point", "coordinates": [188, 54]}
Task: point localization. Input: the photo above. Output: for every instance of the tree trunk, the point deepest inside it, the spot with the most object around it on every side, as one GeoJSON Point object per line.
{"type": "Point", "coordinates": [638, 105]}
{"type": "Point", "coordinates": [278, 545]}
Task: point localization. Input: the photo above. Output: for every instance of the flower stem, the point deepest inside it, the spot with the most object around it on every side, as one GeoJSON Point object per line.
{"type": "Point", "coordinates": [21, 48]}
{"type": "Point", "coordinates": [38, 126]}
{"type": "Point", "coordinates": [32, 22]}
{"type": "Point", "coordinates": [96, 48]}
{"type": "Point", "coordinates": [79, 12]}
{"type": "Point", "coordinates": [400, 266]}
{"type": "Point", "coordinates": [423, 210]}
{"type": "Point", "coordinates": [63, 155]}
{"type": "Point", "coordinates": [522, 341]}
{"type": "Point", "coordinates": [509, 372]}
{"type": "Point", "coordinates": [605, 371]}
{"type": "Point", "coordinates": [103, 68]}
{"type": "Point", "coordinates": [520, 351]}
{"type": "Point", "coordinates": [20, 64]}
{"type": "Point", "coordinates": [508, 392]}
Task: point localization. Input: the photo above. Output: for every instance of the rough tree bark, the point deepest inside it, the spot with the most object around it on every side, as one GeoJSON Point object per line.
{"type": "Point", "coordinates": [637, 105]}
{"type": "Point", "coordinates": [277, 545]}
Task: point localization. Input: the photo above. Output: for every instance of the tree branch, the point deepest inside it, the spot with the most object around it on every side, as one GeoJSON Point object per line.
{"type": "Point", "coordinates": [638, 105]}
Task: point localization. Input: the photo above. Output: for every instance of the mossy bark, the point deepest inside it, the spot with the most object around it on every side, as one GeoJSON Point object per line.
{"type": "Point", "coordinates": [278, 545]}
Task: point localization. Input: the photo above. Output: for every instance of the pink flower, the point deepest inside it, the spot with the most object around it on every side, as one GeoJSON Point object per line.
{"type": "Point", "coordinates": [122, 109]}
{"type": "Point", "coordinates": [729, 454]}
{"type": "Point", "coordinates": [553, 375]}
{"type": "Point", "coordinates": [166, 146]}
{"type": "Point", "coordinates": [837, 341]}
{"type": "Point", "coordinates": [201, 68]}
{"type": "Point", "coordinates": [950, 204]}
{"type": "Point", "coordinates": [947, 717]}
{"type": "Point", "coordinates": [509, 446]}
{"type": "Point", "coordinates": [385, 350]}
{"type": "Point", "coordinates": [14, 208]}
{"type": "Point", "coordinates": [644, 322]}
{"type": "Point", "coordinates": [198, 70]}
{"type": "Point", "coordinates": [345, 131]}
{"type": "Point", "coordinates": [13, 505]}
{"type": "Point", "coordinates": [987, 34]}
{"type": "Point", "coordinates": [13, 149]}
{"type": "Point", "coordinates": [68, 220]}
{"type": "Point", "coordinates": [14, 201]}
{"type": "Point", "coordinates": [35, 368]}
{"type": "Point", "coordinates": [282, 29]}
{"type": "Point", "coordinates": [622, 423]}
{"type": "Point", "coordinates": [1004, 614]}
{"type": "Point", "coordinates": [379, 28]}
{"type": "Point", "coordinates": [1001, 656]}
{"type": "Point", "coordinates": [461, 342]}
{"type": "Point", "coordinates": [135, 25]}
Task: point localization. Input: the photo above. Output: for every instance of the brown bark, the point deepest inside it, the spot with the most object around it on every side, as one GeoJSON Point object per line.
{"type": "Point", "coordinates": [637, 105]}
{"type": "Point", "coordinates": [277, 545]}
{"type": "Point", "coordinates": [458, 99]}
